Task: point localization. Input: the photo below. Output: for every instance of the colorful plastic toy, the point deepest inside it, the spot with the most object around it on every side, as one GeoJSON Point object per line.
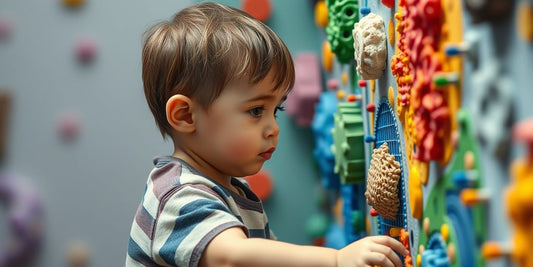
{"type": "Point", "coordinates": [342, 15]}
{"type": "Point", "coordinates": [322, 125]}
{"type": "Point", "coordinates": [259, 9]}
{"type": "Point", "coordinates": [520, 197]}
{"type": "Point", "coordinates": [321, 14]}
{"type": "Point", "coordinates": [307, 88]}
{"type": "Point", "coordinates": [348, 143]}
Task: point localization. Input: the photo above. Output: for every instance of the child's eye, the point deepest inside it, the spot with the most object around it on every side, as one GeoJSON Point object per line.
{"type": "Point", "coordinates": [278, 109]}
{"type": "Point", "coordinates": [256, 112]}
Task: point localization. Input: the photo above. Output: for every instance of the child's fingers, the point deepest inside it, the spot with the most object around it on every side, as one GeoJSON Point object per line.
{"type": "Point", "coordinates": [390, 242]}
{"type": "Point", "coordinates": [388, 252]}
{"type": "Point", "coordinates": [379, 259]}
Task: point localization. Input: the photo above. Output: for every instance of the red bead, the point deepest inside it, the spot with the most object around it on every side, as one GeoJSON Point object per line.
{"type": "Point", "coordinates": [371, 107]}
{"type": "Point", "coordinates": [361, 83]}
{"type": "Point", "coordinates": [388, 3]}
{"type": "Point", "coordinates": [373, 212]}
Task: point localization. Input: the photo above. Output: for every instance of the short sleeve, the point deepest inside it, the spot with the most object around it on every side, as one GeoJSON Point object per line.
{"type": "Point", "coordinates": [189, 219]}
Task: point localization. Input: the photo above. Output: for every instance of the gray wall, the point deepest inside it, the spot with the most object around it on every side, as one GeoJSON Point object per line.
{"type": "Point", "coordinates": [90, 187]}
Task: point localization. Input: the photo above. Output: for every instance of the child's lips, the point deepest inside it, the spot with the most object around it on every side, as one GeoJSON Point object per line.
{"type": "Point", "coordinates": [267, 154]}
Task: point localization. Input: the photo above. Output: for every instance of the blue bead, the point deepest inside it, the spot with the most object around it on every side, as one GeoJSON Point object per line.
{"type": "Point", "coordinates": [370, 139]}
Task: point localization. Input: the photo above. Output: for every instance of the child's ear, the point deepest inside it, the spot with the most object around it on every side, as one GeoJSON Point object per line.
{"type": "Point", "coordinates": [179, 112]}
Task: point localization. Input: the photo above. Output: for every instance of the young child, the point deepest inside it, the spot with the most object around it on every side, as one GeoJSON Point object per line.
{"type": "Point", "coordinates": [214, 79]}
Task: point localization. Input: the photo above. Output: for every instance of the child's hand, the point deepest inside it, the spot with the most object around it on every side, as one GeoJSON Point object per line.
{"type": "Point", "coordinates": [371, 251]}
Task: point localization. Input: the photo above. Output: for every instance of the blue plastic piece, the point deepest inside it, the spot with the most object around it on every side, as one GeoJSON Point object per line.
{"type": "Point", "coordinates": [365, 11]}
{"type": "Point", "coordinates": [321, 126]}
{"type": "Point", "coordinates": [452, 51]}
{"type": "Point", "coordinates": [435, 254]}
{"type": "Point", "coordinates": [353, 196]}
{"type": "Point", "coordinates": [370, 139]}
{"type": "Point", "coordinates": [461, 220]}
{"type": "Point", "coordinates": [463, 178]}
{"type": "Point", "coordinates": [386, 130]}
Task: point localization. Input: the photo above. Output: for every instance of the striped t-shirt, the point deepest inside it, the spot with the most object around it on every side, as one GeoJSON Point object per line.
{"type": "Point", "coordinates": [182, 211]}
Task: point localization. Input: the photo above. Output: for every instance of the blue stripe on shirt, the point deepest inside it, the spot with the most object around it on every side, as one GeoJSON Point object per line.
{"type": "Point", "coordinates": [190, 215]}
{"type": "Point", "coordinates": [136, 253]}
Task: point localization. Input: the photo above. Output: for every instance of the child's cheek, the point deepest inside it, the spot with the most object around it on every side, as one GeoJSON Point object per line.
{"type": "Point", "coordinates": [239, 148]}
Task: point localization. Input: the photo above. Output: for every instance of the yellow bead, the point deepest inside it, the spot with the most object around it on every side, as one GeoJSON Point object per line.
{"type": "Point", "coordinates": [425, 226]}
{"type": "Point", "coordinates": [340, 94]}
{"type": "Point", "coordinates": [344, 78]}
{"type": "Point", "coordinates": [327, 56]}
{"type": "Point", "coordinates": [524, 21]}
{"type": "Point", "coordinates": [416, 201]}
{"type": "Point", "coordinates": [391, 96]}
{"type": "Point", "coordinates": [445, 232]}
{"type": "Point", "coordinates": [321, 14]}
{"type": "Point", "coordinates": [469, 160]}
{"type": "Point", "coordinates": [451, 252]}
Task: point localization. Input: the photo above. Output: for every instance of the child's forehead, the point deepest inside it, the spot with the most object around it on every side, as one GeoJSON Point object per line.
{"type": "Point", "coordinates": [263, 89]}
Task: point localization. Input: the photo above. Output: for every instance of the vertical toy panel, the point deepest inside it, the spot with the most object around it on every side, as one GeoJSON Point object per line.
{"type": "Point", "coordinates": [440, 100]}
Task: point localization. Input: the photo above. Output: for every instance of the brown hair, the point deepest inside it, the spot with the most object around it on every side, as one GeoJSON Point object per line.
{"type": "Point", "coordinates": [204, 47]}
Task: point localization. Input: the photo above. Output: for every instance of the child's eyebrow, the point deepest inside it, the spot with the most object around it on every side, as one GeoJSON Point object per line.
{"type": "Point", "coordinates": [262, 97]}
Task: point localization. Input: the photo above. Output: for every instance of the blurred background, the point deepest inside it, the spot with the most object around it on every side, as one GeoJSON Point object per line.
{"type": "Point", "coordinates": [77, 138]}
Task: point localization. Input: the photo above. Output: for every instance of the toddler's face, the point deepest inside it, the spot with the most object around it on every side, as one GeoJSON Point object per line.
{"type": "Point", "coordinates": [239, 132]}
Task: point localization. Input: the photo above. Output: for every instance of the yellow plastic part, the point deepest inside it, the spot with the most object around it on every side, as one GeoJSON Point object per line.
{"type": "Point", "coordinates": [472, 196]}
{"type": "Point", "coordinates": [327, 56]}
{"type": "Point", "coordinates": [423, 171]}
{"type": "Point", "coordinates": [493, 250]}
{"type": "Point", "coordinates": [344, 77]}
{"type": "Point", "coordinates": [419, 260]}
{"type": "Point", "coordinates": [321, 14]}
{"type": "Point", "coordinates": [391, 32]}
{"type": "Point", "coordinates": [469, 160]}
{"type": "Point", "coordinates": [451, 252]}
{"type": "Point", "coordinates": [416, 200]}
{"type": "Point", "coordinates": [524, 21]}
{"type": "Point", "coordinates": [340, 94]}
{"type": "Point", "coordinates": [394, 231]}
{"type": "Point", "coordinates": [425, 225]}
{"type": "Point", "coordinates": [445, 232]}
{"type": "Point", "coordinates": [337, 211]}
{"type": "Point", "coordinates": [391, 96]}
{"type": "Point", "coordinates": [519, 207]}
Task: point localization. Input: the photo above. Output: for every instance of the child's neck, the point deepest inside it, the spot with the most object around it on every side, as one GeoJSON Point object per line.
{"type": "Point", "coordinates": [206, 169]}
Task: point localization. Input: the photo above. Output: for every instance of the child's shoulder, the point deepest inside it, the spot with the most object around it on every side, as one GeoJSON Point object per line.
{"type": "Point", "coordinates": [172, 171]}
{"type": "Point", "coordinates": [171, 174]}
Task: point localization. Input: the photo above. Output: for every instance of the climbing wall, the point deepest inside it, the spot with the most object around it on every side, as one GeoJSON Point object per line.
{"type": "Point", "coordinates": [433, 100]}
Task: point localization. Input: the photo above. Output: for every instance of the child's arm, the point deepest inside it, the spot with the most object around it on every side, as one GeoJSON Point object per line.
{"type": "Point", "coordinates": [232, 248]}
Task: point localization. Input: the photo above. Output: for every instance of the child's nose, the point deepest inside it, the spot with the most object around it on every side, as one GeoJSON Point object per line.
{"type": "Point", "coordinates": [272, 129]}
